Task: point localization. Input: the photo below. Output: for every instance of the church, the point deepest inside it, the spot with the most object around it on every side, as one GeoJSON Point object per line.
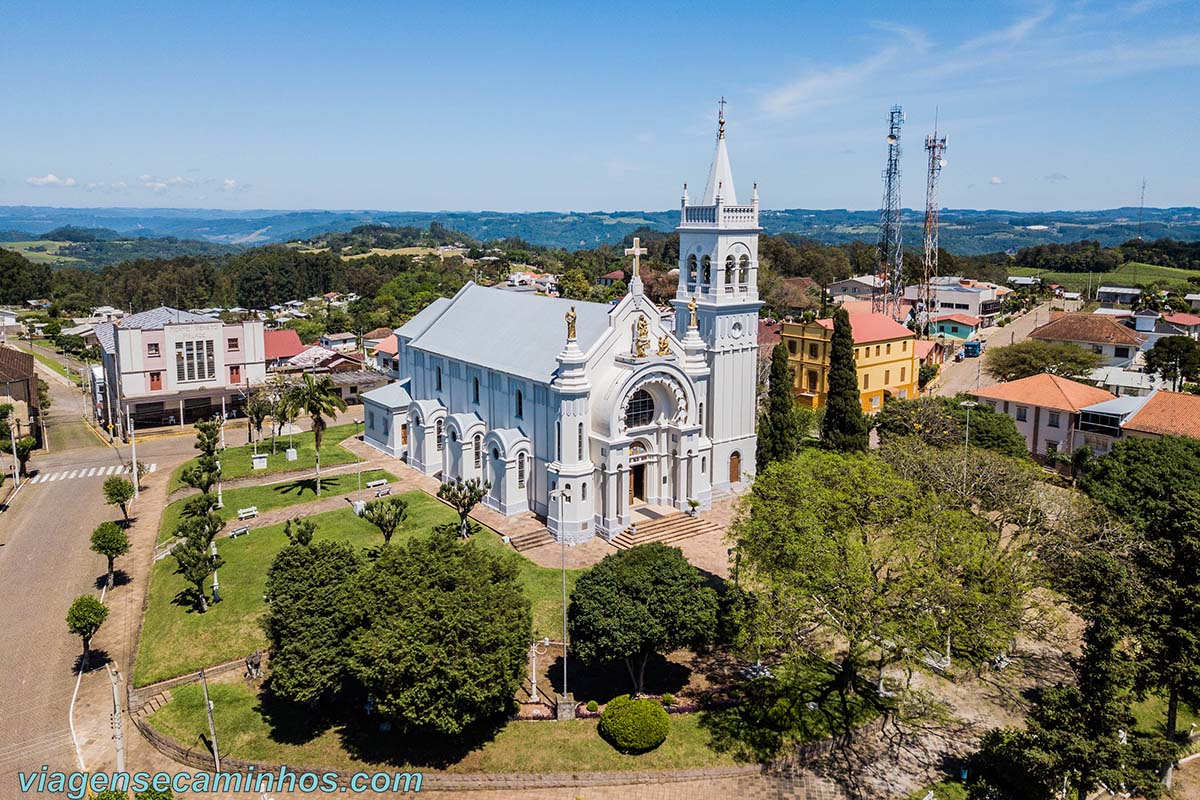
{"type": "Point", "coordinates": [582, 412]}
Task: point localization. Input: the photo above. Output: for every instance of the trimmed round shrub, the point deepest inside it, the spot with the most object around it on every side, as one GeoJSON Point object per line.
{"type": "Point", "coordinates": [592, 705]}
{"type": "Point", "coordinates": [634, 726]}
{"type": "Point", "coordinates": [668, 699]}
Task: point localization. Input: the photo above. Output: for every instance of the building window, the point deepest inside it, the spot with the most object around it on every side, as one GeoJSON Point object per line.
{"type": "Point", "coordinates": [475, 389]}
{"type": "Point", "coordinates": [902, 371]}
{"type": "Point", "coordinates": [1054, 421]}
{"type": "Point", "coordinates": [195, 360]}
{"type": "Point", "coordinates": [887, 377]}
{"type": "Point", "coordinates": [876, 351]}
{"type": "Point", "coordinates": [691, 268]}
{"type": "Point", "coordinates": [438, 431]}
{"type": "Point", "coordinates": [1051, 449]}
{"type": "Point", "coordinates": [706, 268]}
{"type": "Point", "coordinates": [640, 411]}
{"type": "Point", "coordinates": [904, 346]}
{"type": "Point", "coordinates": [812, 381]}
{"type": "Point", "coordinates": [813, 349]}
{"type": "Point", "coordinates": [583, 491]}
{"type": "Point", "coordinates": [792, 346]}
{"type": "Point", "coordinates": [558, 440]}
{"type": "Point", "coordinates": [744, 269]}
{"type": "Point", "coordinates": [478, 451]}
{"type": "Point", "coordinates": [889, 348]}
{"type": "Point", "coordinates": [438, 378]}
{"type": "Point", "coordinates": [703, 464]}
{"type": "Point", "coordinates": [520, 404]}
{"type": "Point", "coordinates": [875, 401]}
{"type": "Point", "coordinates": [235, 375]}
{"type": "Point", "coordinates": [152, 349]}
{"type": "Point", "coordinates": [232, 344]}
{"type": "Point", "coordinates": [730, 268]}
{"type": "Point", "coordinates": [866, 381]}
{"type": "Point", "coordinates": [155, 381]}
{"type": "Point", "coordinates": [579, 442]}
{"type": "Point", "coordinates": [702, 413]}
{"type": "Point", "coordinates": [520, 470]}
{"type": "Point", "coordinates": [1022, 413]}
{"type": "Point", "coordinates": [1121, 352]}
{"type": "Point", "coordinates": [404, 434]}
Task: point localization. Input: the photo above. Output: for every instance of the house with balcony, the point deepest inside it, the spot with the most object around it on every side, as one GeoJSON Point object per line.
{"type": "Point", "coordinates": [1114, 342]}
{"type": "Point", "coordinates": [1116, 296]}
{"type": "Point", "coordinates": [172, 367]}
{"type": "Point", "coordinates": [1046, 409]}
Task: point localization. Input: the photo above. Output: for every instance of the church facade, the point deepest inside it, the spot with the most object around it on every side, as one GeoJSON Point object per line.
{"type": "Point", "coordinates": [581, 412]}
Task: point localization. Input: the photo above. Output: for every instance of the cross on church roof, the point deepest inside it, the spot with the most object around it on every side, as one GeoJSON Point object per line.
{"type": "Point", "coordinates": [637, 251]}
{"type": "Point", "coordinates": [721, 118]}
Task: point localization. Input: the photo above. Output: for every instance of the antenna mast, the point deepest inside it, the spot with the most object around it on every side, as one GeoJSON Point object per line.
{"type": "Point", "coordinates": [889, 260]}
{"type": "Point", "coordinates": [1141, 209]}
{"type": "Point", "coordinates": [935, 146]}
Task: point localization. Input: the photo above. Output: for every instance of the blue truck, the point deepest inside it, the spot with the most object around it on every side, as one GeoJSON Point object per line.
{"type": "Point", "coordinates": [973, 348]}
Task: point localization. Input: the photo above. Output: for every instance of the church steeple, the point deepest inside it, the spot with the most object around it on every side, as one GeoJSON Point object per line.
{"type": "Point", "coordinates": [720, 176]}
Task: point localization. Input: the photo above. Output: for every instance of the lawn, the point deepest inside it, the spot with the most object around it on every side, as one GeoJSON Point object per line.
{"type": "Point", "coordinates": [273, 495]}
{"type": "Point", "coordinates": [42, 251]}
{"type": "Point", "coordinates": [248, 729]}
{"type": "Point", "coordinates": [236, 461]}
{"type": "Point", "coordinates": [1129, 273]}
{"type": "Point", "coordinates": [1151, 715]}
{"type": "Point", "coordinates": [176, 639]}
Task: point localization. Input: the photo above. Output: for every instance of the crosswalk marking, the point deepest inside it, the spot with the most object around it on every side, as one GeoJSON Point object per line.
{"type": "Point", "coordinates": [85, 472]}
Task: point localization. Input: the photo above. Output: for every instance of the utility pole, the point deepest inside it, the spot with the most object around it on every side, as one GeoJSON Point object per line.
{"type": "Point", "coordinates": [132, 452]}
{"type": "Point", "coordinates": [12, 437]}
{"type": "Point", "coordinates": [212, 729]}
{"type": "Point", "coordinates": [118, 733]}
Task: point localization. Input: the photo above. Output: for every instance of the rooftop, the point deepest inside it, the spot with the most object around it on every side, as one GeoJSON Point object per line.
{"type": "Point", "coordinates": [392, 395]}
{"type": "Point", "coordinates": [378, 333]}
{"type": "Point", "coordinates": [1168, 414]}
{"type": "Point", "coordinates": [872, 328]}
{"type": "Point", "coordinates": [1090, 328]}
{"type": "Point", "coordinates": [15, 365]}
{"type": "Point", "coordinates": [1047, 391]}
{"type": "Point", "coordinates": [283, 343]}
{"type": "Point", "coordinates": [1186, 320]}
{"type": "Point", "coordinates": [964, 319]}
{"type": "Point", "coordinates": [156, 318]}
{"type": "Point", "coordinates": [388, 345]}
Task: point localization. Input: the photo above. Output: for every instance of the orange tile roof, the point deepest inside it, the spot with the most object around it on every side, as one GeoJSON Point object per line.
{"type": "Point", "coordinates": [1047, 391]}
{"type": "Point", "coordinates": [856, 307]}
{"type": "Point", "coordinates": [387, 345]}
{"type": "Point", "coordinates": [1090, 328]}
{"type": "Point", "coordinates": [1186, 320]}
{"type": "Point", "coordinates": [283, 343]}
{"type": "Point", "coordinates": [871, 327]}
{"type": "Point", "coordinates": [923, 347]}
{"type": "Point", "coordinates": [965, 319]}
{"type": "Point", "coordinates": [1168, 414]}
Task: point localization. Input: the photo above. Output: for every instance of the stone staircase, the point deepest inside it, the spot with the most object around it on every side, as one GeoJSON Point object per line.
{"type": "Point", "coordinates": [153, 704]}
{"type": "Point", "coordinates": [669, 529]}
{"type": "Point", "coordinates": [527, 541]}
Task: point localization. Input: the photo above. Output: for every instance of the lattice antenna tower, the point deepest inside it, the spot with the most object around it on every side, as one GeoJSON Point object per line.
{"type": "Point", "coordinates": [889, 255]}
{"type": "Point", "coordinates": [935, 147]}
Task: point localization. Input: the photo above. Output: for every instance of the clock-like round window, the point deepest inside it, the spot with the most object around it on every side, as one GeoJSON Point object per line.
{"type": "Point", "coordinates": [737, 330]}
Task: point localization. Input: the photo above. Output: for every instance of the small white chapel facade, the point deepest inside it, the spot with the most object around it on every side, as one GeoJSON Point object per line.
{"type": "Point", "coordinates": [580, 412]}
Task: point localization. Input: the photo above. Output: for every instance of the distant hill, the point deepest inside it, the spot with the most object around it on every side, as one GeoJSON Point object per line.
{"type": "Point", "coordinates": [965, 231]}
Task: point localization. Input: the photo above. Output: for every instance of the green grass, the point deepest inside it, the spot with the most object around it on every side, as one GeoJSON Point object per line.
{"type": "Point", "coordinates": [248, 730]}
{"type": "Point", "coordinates": [236, 461]}
{"type": "Point", "coordinates": [47, 252]}
{"type": "Point", "coordinates": [946, 790]}
{"type": "Point", "coordinates": [273, 495]}
{"type": "Point", "coordinates": [1151, 715]}
{"type": "Point", "coordinates": [1129, 273]}
{"type": "Point", "coordinates": [176, 639]}
{"type": "Point", "coordinates": [44, 358]}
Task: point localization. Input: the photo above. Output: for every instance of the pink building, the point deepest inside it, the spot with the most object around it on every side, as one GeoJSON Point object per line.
{"type": "Point", "coordinates": [1046, 409]}
{"type": "Point", "coordinates": [171, 367]}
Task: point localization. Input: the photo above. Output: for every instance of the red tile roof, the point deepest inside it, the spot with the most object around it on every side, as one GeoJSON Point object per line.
{"type": "Point", "coordinates": [1089, 328]}
{"type": "Point", "coordinates": [1047, 391]}
{"type": "Point", "coordinates": [871, 327]}
{"type": "Point", "coordinates": [388, 345]}
{"type": "Point", "coordinates": [615, 275]}
{"type": "Point", "coordinates": [378, 333]}
{"type": "Point", "coordinates": [965, 319]}
{"type": "Point", "coordinates": [770, 333]}
{"type": "Point", "coordinates": [1168, 414]}
{"type": "Point", "coordinates": [1186, 320]}
{"type": "Point", "coordinates": [283, 343]}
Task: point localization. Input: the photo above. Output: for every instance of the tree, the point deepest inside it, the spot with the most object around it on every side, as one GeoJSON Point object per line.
{"type": "Point", "coordinates": [844, 426]}
{"type": "Point", "coordinates": [442, 630]}
{"type": "Point", "coordinates": [781, 426]}
{"type": "Point", "coordinates": [1034, 356]}
{"type": "Point", "coordinates": [109, 540]}
{"type": "Point", "coordinates": [84, 619]}
{"type": "Point", "coordinates": [387, 514]}
{"type": "Point", "coordinates": [258, 408]}
{"type": "Point", "coordinates": [195, 563]}
{"type": "Point", "coordinates": [25, 447]}
{"type": "Point", "coordinates": [307, 621]}
{"type": "Point", "coordinates": [463, 496]}
{"type": "Point", "coordinates": [118, 491]}
{"type": "Point", "coordinates": [1175, 359]}
{"type": "Point", "coordinates": [317, 398]}
{"type": "Point", "coordinates": [1155, 485]}
{"type": "Point", "coordinates": [639, 602]}
{"type": "Point", "coordinates": [206, 471]}
{"type": "Point", "coordinates": [299, 531]}
{"type": "Point", "coordinates": [574, 285]}
{"type": "Point", "coordinates": [941, 422]}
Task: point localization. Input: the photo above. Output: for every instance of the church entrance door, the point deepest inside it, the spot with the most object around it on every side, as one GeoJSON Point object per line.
{"type": "Point", "coordinates": [637, 484]}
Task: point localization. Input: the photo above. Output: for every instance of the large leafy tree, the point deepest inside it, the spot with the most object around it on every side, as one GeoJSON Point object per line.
{"type": "Point", "coordinates": [782, 424]}
{"type": "Point", "coordinates": [317, 398]}
{"type": "Point", "coordinates": [441, 631]}
{"type": "Point", "coordinates": [839, 547]}
{"type": "Point", "coordinates": [574, 285]}
{"type": "Point", "coordinates": [109, 540]}
{"type": "Point", "coordinates": [844, 426]}
{"type": "Point", "coordinates": [1155, 484]}
{"type": "Point", "coordinates": [463, 496]}
{"type": "Point", "coordinates": [639, 602]}
{"type": "Point", "coordinates": [941, 422]}
{"type": "Point", "coordinates": [118, 492]}
{"type": "Point", "coordinates": [307, 618]}
{"type": "Point", "coordinates": [387, 514]}
{"type": "Point", "coordinates": [1034, 356]}
{"type": "Point", "coordinates": [1175, 358]}
{"type": "Point", "coordinates": [84, 618]}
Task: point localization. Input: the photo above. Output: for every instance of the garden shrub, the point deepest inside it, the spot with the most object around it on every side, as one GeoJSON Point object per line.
{"type": "Point", "coordinates": [634, 726]}
{"type": "Point", "coordinates": [668, 699]}
{"type": "Point", "coordinates": [592, 705]}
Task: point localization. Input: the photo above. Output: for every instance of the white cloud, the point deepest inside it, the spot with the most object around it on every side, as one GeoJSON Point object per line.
{"type": "Point", "coordinates": [996, 180]}
{"type": "Point", "coordinates": [156, 184]}
{"type": "Point", "coordinates": [1056, 177]}
{"type": "Point", "coordinates": [229, 185]}
{"type": "Point", "coordinates": [50, 179]}
{"type": "Point", "coordinates": [826, 86]}
{"type": "Point", "coordinates": [119, 185]}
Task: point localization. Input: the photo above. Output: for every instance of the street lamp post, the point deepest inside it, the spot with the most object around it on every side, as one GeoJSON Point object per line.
{"type": "Point", "coordinates": [132, 451]}
{"type": "Point", "coordinates": [968, 405]}
{"type": "Point", "coordinates": [220, 496]}
{"type": "Point", "coordinates": [563, 497]}
{"type": "Point", "coordinates": [358, 463]}
{"type": "Point", "coordinates": [533, 673]}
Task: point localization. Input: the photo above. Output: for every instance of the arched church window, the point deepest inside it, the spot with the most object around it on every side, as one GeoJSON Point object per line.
{"type": "Point", "coordinates": [520, 404]}
{"type": "Point", "coordinates": [744, 269]}
{"type": "Point", "coordinates": [438, 378]}
{"type": "Point", "coordinates": [440, 438]}
{"type": "Point", "coordinates": [579, 441]}
{"type": "Point", "coordinates": [691, 268]}
{"type": "Point", "coordinates": [520, 470]}
{"type": "Point", "coordinates": [583, 491]}
{"type": "Point", "coordinates": [640, 411]}
{"type": "Point", "coordinates": [478, 451]}
{"type": "Point", "coordinates": [453, 436]}
{"type": "Point", "coordinates": [475, 389]}
{"type": "Point", "coordinates": [706, 268]}
{"type": "Point", "coordinates": [730, 269]}
{"type": "Point", "coordinates": [495, 454]}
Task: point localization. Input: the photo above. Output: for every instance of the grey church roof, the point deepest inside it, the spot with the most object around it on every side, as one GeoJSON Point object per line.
{"type": "Point", "coordinates": [392, 395]}
{"type": "Point", "coordinates": [424, 318]}
{"type": "Point", "coordinates": [155, 318]}
{"type": "Point", "coordinates": [520, 334]}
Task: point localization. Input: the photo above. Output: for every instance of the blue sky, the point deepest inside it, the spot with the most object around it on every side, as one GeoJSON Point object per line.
{"type": "Point", "coordinates": [574, 106]}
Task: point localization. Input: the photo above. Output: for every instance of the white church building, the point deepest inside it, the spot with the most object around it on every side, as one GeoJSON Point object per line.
{"type": "Point", "coordinates": [581, 412]}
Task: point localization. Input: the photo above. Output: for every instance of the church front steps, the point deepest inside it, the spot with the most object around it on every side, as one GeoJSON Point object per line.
{"type": "Point", "coordinates": [666, 530]}
{"type": "Point", "coordinates": [528, 541]}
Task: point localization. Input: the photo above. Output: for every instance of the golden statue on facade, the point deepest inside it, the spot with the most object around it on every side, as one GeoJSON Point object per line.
{"type": "Point", "coordinates": [642, 342]}
{"type": "Point", "coordinates": [664, 346]}
{"type": "Point", "coordinates": [571, 323]}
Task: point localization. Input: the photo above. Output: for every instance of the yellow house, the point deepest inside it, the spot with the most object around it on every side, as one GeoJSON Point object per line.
{"type": "Point", "coordinates": [884, 356]}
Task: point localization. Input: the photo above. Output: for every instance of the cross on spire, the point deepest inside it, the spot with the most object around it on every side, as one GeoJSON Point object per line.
{"type": "Point", "coordinates": [637, 251]}
{"type": "Point", "coordinates": [721, 118]}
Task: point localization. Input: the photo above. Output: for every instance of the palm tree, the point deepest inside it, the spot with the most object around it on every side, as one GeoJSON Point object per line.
{"type": "Point", "coordinates": [316, 397]}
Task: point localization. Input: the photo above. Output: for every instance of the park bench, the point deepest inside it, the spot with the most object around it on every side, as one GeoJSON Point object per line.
{"type": "Point", "coordinates": [247, 513]}
{"type": "Point", "coordinates": [376, 484]}
{"type": "Point", "coordinates": [236, 532]}
{"type": "Point", "coordinates": [384, 492]}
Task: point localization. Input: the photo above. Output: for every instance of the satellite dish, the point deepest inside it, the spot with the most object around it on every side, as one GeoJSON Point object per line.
{"type": "Point", "coordinates": [942, 163]}
{"type": "Point", "coordinates": [891, 139]}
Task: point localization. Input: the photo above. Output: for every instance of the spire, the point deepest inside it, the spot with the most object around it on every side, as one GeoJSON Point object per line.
{"type": "Point", "coordinates": [720, 177]}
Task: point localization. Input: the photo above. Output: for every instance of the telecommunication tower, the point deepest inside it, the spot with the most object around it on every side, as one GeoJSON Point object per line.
{"type": "Point", "coordinates": [889, 272]}
{"type": "Point", "coordinates": [935, 146]}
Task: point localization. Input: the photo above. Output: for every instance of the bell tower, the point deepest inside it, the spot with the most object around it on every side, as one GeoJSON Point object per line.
{"type": "Point", "coordinates": [718, 268]}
